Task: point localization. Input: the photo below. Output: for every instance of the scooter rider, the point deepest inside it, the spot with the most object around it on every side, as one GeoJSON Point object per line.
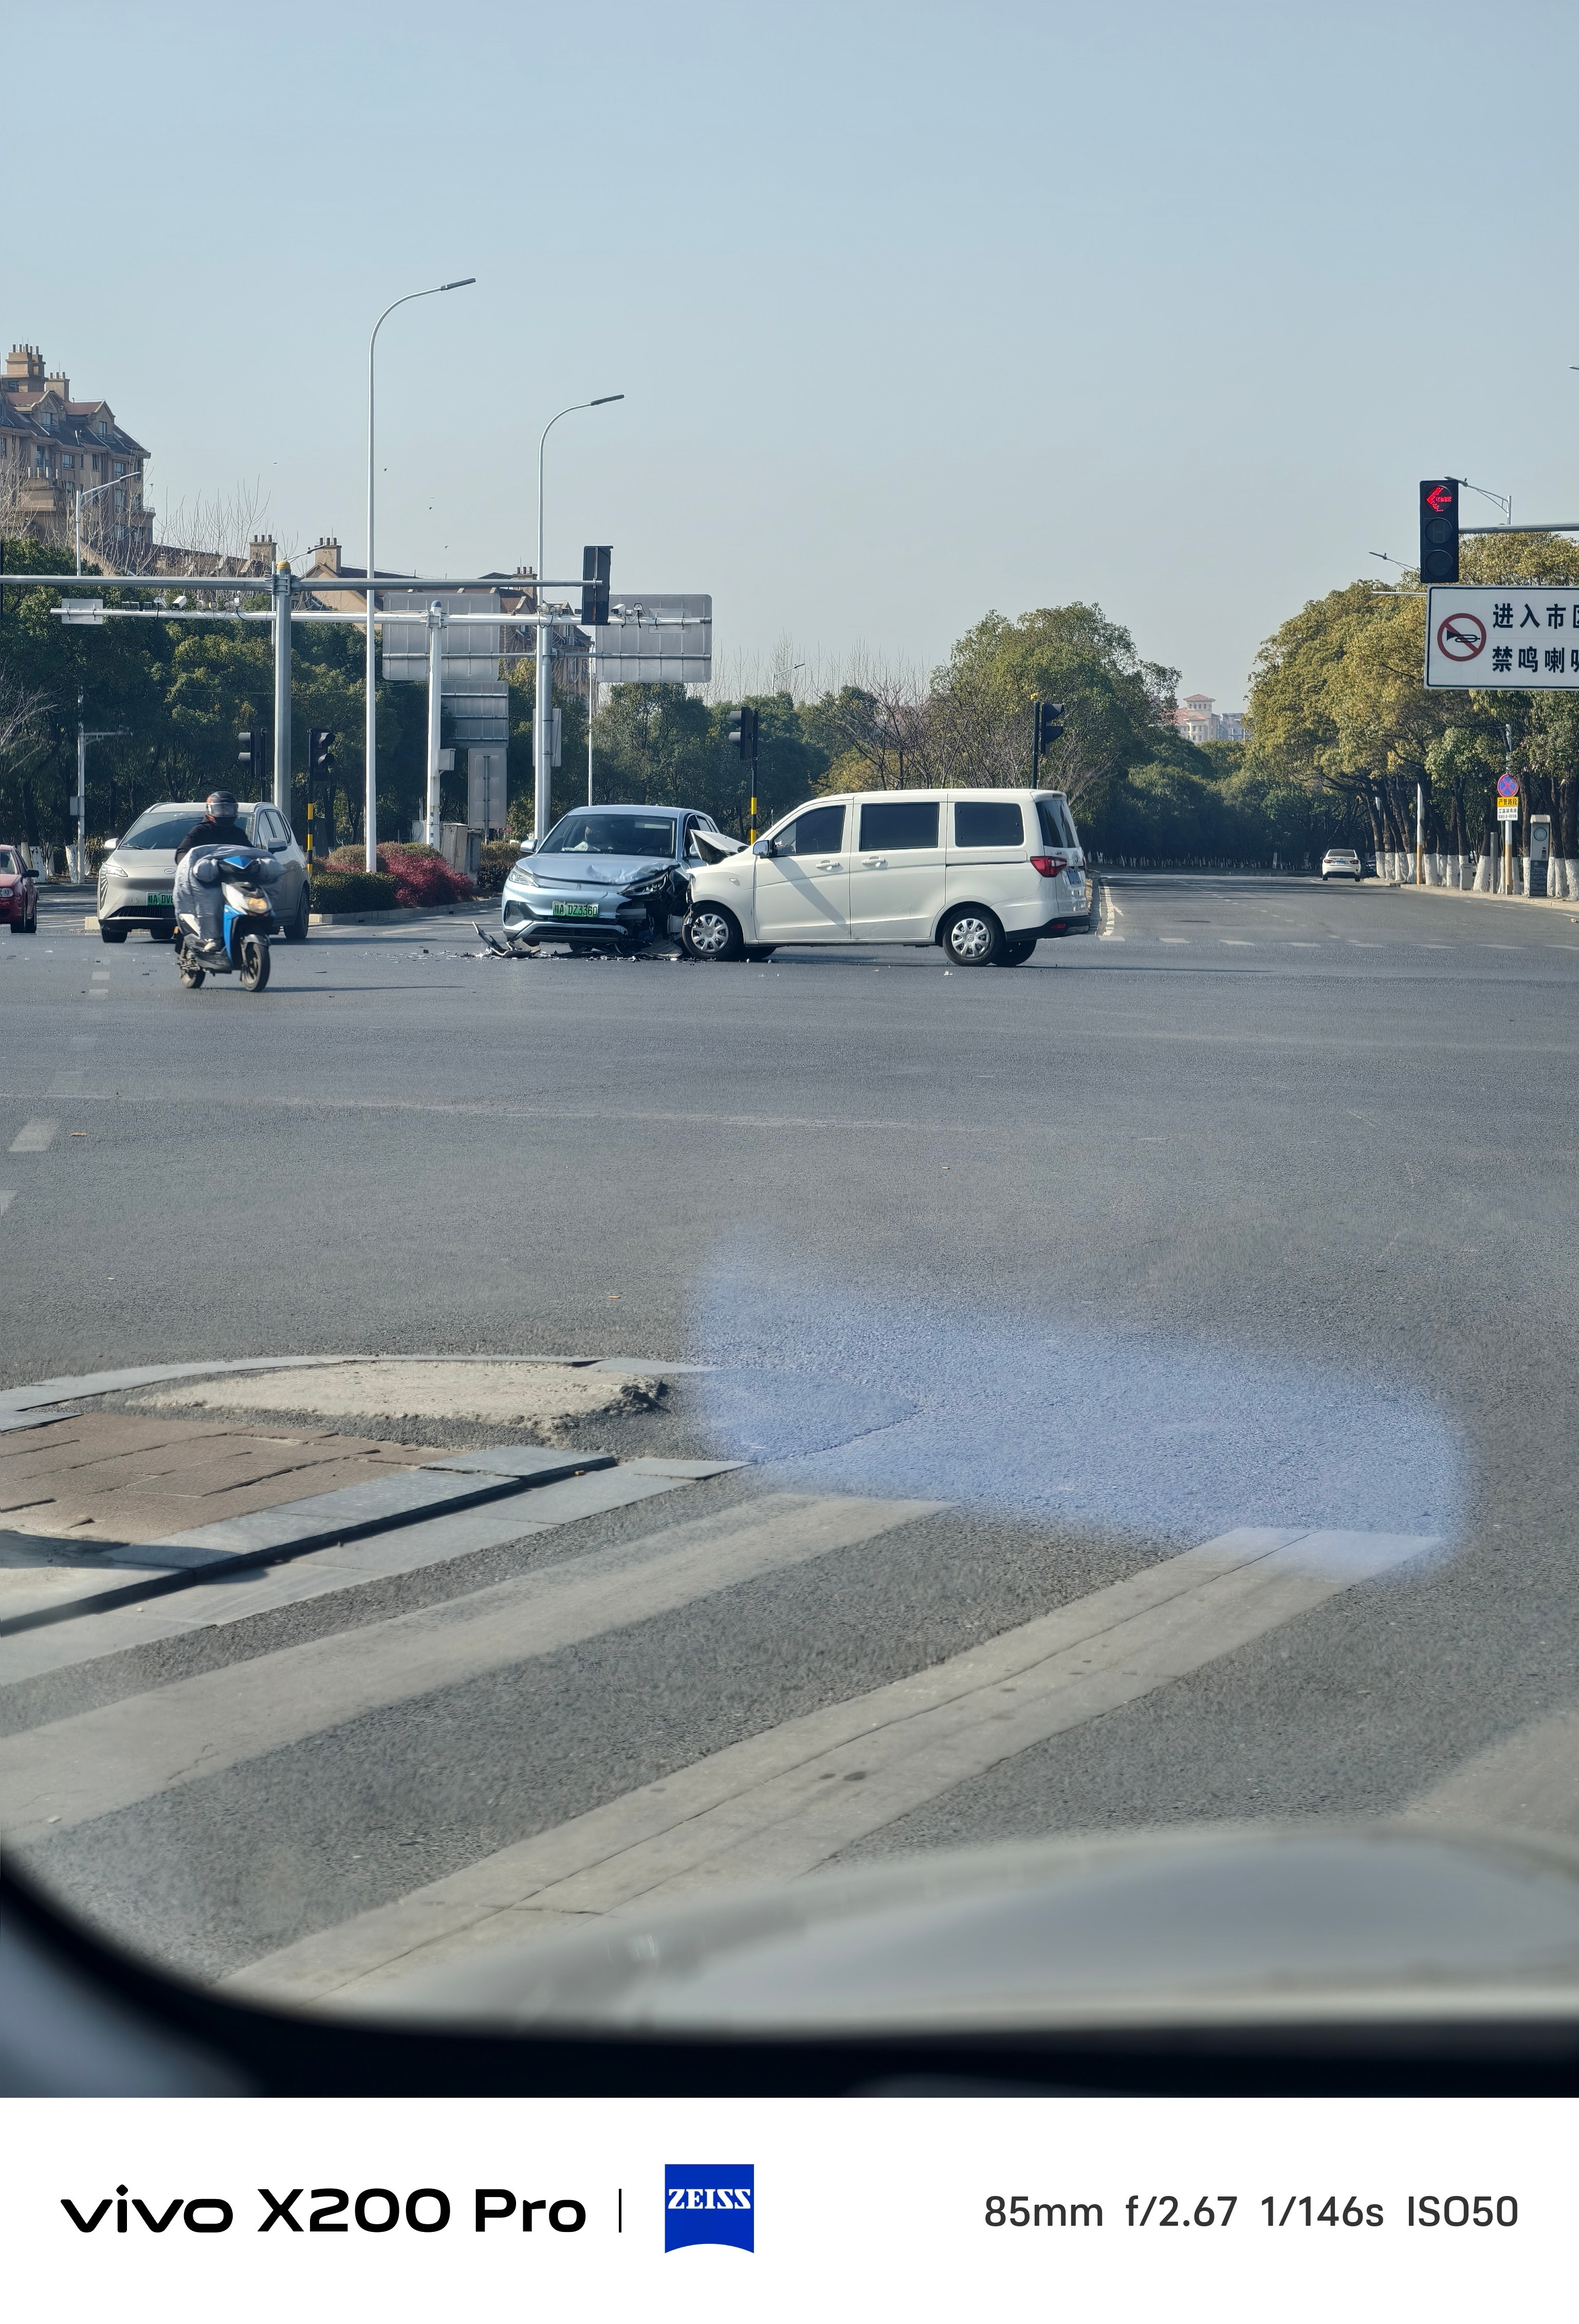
{"type": "Point", "coordinates": [199, 904]}
{"type": "Point", "coordinates": [218, 828]}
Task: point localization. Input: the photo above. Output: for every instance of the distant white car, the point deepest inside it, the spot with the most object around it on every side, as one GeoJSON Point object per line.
{"type": "Point", "coordinates": [981, 874]}
{"type": "Point", "coordinates": [1342, 863]}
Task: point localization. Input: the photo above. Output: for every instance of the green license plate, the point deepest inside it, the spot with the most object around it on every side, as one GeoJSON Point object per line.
{"type": "Point", "coordinates": [159, 900]}
{"type": "Point", "coordinates": [576, 911]}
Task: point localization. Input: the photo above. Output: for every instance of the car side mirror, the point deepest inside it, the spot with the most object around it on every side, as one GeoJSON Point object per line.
{"type": "Point", "coordinates": [528, 846]}
{"type": "Point", "coordinates": [110, 845]}
{"type": "Point", "coordinates": [767, 847]}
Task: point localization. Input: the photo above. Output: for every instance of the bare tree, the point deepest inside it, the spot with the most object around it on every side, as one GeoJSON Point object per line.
{"type": "Point", "coordinates": [23, 721]}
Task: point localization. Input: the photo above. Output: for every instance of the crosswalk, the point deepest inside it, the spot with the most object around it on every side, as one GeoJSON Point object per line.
{"type": "Point", "coordinates": [779, 1798]}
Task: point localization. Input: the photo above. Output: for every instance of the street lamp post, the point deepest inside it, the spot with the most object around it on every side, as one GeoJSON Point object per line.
{"type": "Point", "coordinates": [86, 494]}
{"type": "Point", "coordinates": [372, 814]}
{"type": "Point", "coordinates": [543, 711]}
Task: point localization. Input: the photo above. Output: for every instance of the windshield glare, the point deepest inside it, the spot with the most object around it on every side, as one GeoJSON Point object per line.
{"type": "Point", "coordinates": [161, 828]}
{"type": "Point", "coordinates": [610, 835]}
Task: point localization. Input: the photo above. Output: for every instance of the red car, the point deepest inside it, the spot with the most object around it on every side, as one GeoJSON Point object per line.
{"type": "Point", "coordinates": [19, 893]}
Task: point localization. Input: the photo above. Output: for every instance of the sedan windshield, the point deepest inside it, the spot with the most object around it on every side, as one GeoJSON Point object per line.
{"type": "Point", "coordinates": [8, 863]}
{"type": "Point", "coordinates": [163, 827]}
{"type": "Point", "coordinates": [610, 835]}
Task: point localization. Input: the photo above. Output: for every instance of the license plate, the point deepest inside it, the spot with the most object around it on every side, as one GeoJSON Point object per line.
{"type": "Point", "coordinates": [576, 911]}
{"type": "Point", "coordinates": [153, 899]}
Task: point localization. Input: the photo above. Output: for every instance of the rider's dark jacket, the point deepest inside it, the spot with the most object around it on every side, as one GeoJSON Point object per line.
{"type": "Point", "coordinates": [225, 833]}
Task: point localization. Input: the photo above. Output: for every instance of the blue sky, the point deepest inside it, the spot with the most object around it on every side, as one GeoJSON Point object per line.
{"type": "Point", "coordinates": [918, 309]}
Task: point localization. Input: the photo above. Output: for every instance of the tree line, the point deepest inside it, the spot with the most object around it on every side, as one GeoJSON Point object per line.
{"type": "Point", "coordinates": [1342, 728]}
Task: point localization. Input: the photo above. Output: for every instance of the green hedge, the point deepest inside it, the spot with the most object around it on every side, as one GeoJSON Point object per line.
{"type": "Point", "coordinates": [499, 857]}
{"type": "Point", "coordinates": [353, 891]}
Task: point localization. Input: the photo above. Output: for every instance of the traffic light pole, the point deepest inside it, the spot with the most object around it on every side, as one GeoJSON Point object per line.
{"type": "Point", "coordinates": [283, 586]}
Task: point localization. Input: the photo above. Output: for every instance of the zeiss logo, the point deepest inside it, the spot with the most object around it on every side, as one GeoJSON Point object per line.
{"type": "Point", "coordinates": [710, 2203]}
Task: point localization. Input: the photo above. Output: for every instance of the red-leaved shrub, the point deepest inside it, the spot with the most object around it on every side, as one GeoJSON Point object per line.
{"type": "Point", "coordinates": [420, 873]}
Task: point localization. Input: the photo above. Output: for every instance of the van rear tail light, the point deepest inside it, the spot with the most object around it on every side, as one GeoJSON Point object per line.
{"type": "Point", "coordinates": [1049, 866]}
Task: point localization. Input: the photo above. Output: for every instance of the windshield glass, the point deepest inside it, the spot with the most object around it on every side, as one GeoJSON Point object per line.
{"type": "Point", "coordinates": [611, 834]}
{"type": "Point", "coordinates": [8, 862]}
{"type": "Point", "coordinates": [996, 1369]}
{"type": "Point", "coordinates": [163, 827]}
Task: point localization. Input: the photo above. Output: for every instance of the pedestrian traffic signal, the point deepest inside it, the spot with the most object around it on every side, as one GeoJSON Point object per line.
{"type": "Point", "coordinates": [320, 755]}
{"type": "Point", "coordinates": [1049, 725]}
{"type": "Point", "coordinates": [595, 587]}
{"type": "Point", "coordinates": [1439, 529]}
{"type": "Point", "coordinates": [252, 751]}
{"type": "Point", "coordinates": [743, 731]}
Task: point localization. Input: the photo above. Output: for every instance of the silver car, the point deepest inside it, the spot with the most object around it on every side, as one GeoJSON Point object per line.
{"type": "Point", "coordinates": [605, 878]}
{"type": "Point", "coordinates": [136, 879]}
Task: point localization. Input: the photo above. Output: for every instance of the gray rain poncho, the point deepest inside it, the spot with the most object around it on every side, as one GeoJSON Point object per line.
{"type": "Point", "coordinates": [198, 893]}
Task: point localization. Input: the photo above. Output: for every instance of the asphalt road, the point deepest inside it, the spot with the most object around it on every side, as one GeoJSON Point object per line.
{"type": "Point", "coordinates": [1256, 1208]}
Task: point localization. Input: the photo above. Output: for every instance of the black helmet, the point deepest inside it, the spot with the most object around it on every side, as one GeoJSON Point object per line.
{"type": "Point", "coordinates": [222, 806]}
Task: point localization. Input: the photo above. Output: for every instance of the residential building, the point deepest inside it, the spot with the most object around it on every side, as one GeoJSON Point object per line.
{"type": "Point", "coordinates": [1198, 722]}
{"type": "Point", "coordinates": [51, 448]}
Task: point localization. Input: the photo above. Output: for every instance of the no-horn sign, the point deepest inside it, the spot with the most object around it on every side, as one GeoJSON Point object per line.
{"type": "Point", "coordinates": [1503, 640]}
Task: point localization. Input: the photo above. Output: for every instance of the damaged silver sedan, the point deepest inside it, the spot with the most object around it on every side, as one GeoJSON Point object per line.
{"type": "Point", "coordinates": [608, 878]}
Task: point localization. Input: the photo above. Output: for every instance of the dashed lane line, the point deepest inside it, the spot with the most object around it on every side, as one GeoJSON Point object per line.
{"type": "Point", "coordinates": [34, 1137]}
{"type": "Point", "coordinates": [7, 1197]}
{"type": "Point", "coordinates": [779, 1803]}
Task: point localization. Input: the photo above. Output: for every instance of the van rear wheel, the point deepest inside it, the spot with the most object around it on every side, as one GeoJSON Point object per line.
{"type": "Point", "coordinates": [1016, 952]}
{"type": "Point", "coordinates": [972, 938]}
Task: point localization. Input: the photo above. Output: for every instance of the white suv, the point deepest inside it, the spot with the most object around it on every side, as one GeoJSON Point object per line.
{"type": "Point", "coordinates": [982, 874]}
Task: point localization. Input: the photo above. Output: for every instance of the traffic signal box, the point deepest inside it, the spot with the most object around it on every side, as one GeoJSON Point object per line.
{"type": "Point", "coordinates": [1439, 529]}
{"type": "Point", "coordinates": [252, 755]}
{"type": "Point", "coordinates": [594, 586]}
{"type": "Point", "coordinates": [1046, 729]}
{"type": "Point", "coordinates": [743, 731]}
{"type": "Point", "coordinates": [320, 772]}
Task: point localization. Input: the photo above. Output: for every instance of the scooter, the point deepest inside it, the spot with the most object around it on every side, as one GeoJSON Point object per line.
{"type": "Point", "coordinates": [242, 948]}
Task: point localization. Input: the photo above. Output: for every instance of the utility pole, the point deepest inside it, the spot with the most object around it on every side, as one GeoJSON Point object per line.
{"type": "Point", "coordinates": [436, 628]}
{"type": "Point", "coordinates": [1419, 834]}
{"type": "Point", "coordinates": [591, 709]}
{"type": "Point", "coordinates": [99, 734]}
{"type": "Point", "coordinates": [80, 802]}
{"type": "Point", "coordinates": [284, 584]}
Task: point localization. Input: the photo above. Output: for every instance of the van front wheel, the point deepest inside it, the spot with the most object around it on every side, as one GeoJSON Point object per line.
{"type": "Point", "coordinates": [972, 938]}
{"type": "Point", "coordinates": [710, 933]}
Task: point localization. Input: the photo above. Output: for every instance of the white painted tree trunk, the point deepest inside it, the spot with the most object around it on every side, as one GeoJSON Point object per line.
{"type": "Point", "coordinates": [1571, 867]}
{"type": "Point", "coordinates": [1482, 875]}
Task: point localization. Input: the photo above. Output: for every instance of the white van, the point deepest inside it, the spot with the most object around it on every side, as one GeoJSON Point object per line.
{"type": "Point", "coordinates": [982, 874]}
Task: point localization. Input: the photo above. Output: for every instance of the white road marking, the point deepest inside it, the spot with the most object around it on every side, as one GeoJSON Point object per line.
{"type": "Point", "coordinates": [1530, 1780]}
{"type": "Point", "coordinates": [7, 1197]}
{"type": "Point", "coordinates": [1106, 933]}
{"type": "Point", "coordinates": [73, 1769]}
{"type": "Point", "coordinates": [33, 1137]}
{"type": "Point", "coordinates": [1172, 939]}
{"type": "Point", "coordinates": [1234, 940]}
{"type": "Point", "coordinates": [320, 1574]}
{"type": "Point", "coordinates": [779, 1803]}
